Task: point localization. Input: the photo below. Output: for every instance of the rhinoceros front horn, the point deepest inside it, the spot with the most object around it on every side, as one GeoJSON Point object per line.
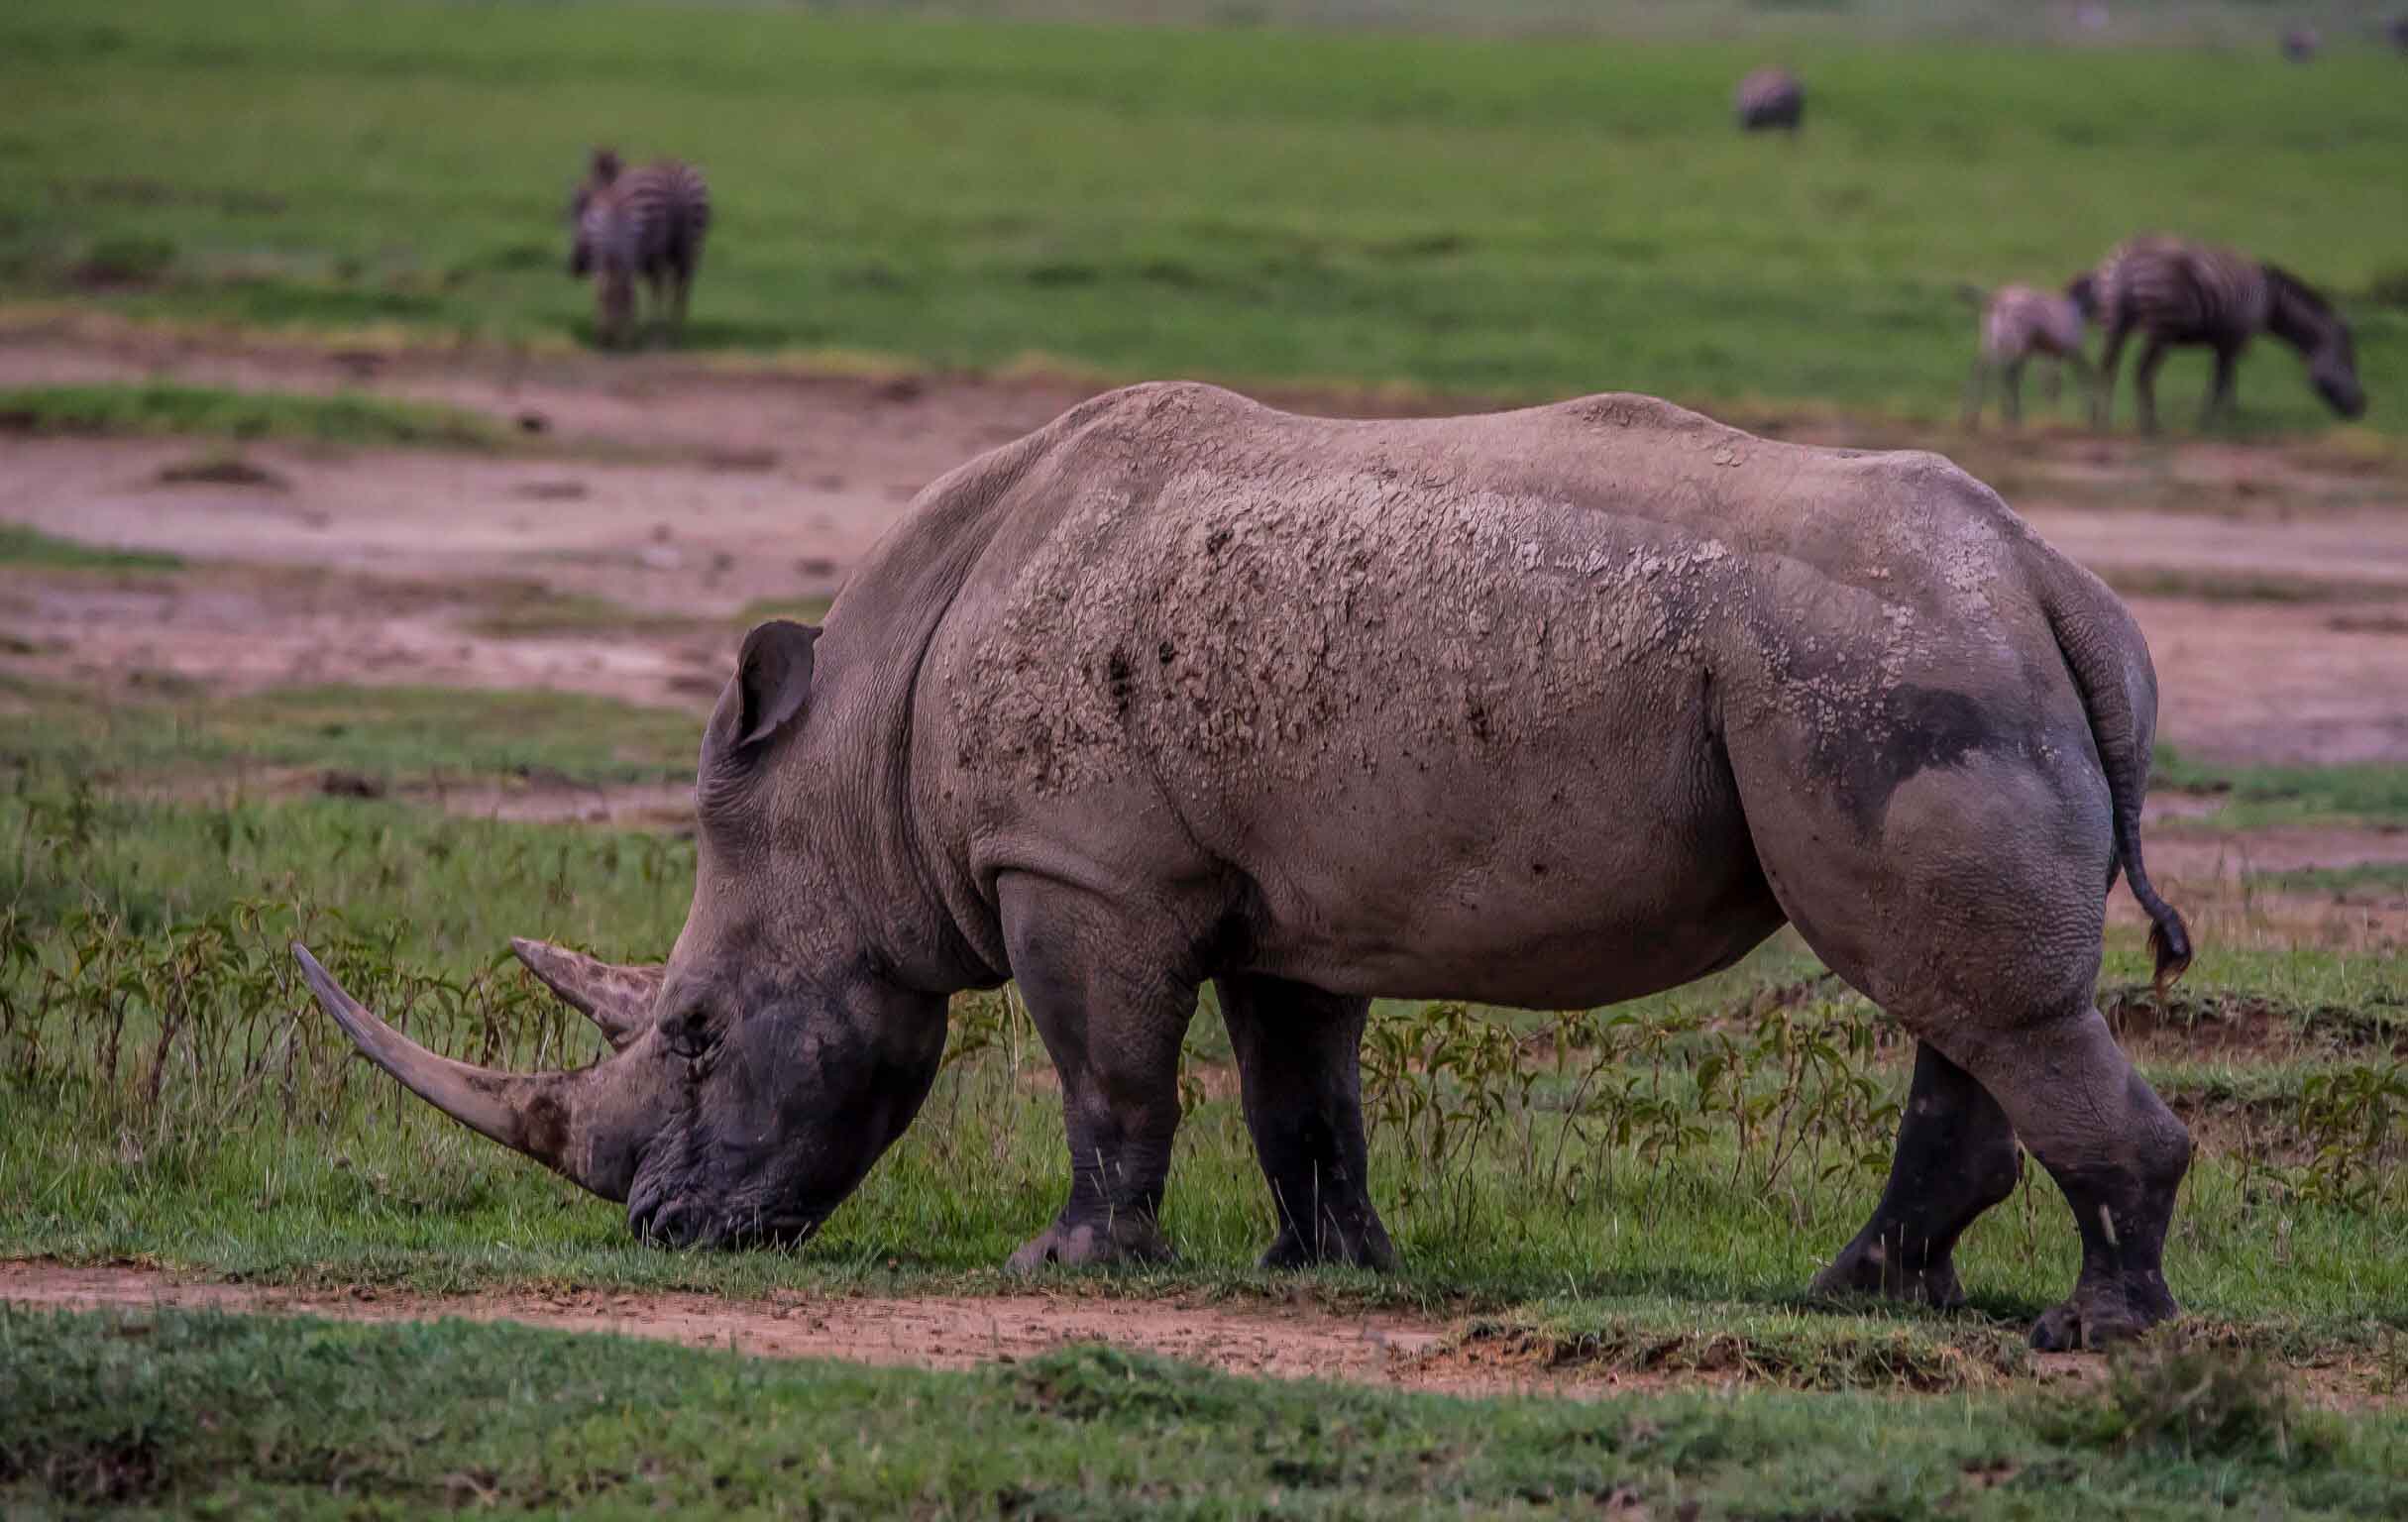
{"type": "Point", "coordinates": [588, 1126]}
{"type": "Point", "coordinates": [619, 998]}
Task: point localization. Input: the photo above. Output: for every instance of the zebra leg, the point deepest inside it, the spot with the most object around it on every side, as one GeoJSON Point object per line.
{"type": "Point", "coordinates": [2011, 398]}
{"type": "Point", "coordinates": [2220, 394]}
{"type": "Point", "coordinates": [2144, 383]}
{"type": "Point", "coordinates": [614, 294]}
{"type": "Point", "coordinates": [2086, 380]}
{"type": "Point", "coordinates": [2103, 400]}
{"type": "Point", "coordinates": [1977, 386]}
{"type": "Point", "coordinates": [655, 335]}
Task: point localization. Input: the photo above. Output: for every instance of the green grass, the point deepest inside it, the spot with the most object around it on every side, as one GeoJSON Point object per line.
{"type": "Point", "coordinates": [32, 549]}
{"type": "Point", "coordinates": [159, 408]}
{"type": "Point", "coordinates": [170, 1413]}
{"type": "Point", "coordinates": [1480, 216]}
{"type": "Point", "coordinates": [2263, 795]}
{"type": "Point", "coordinates": [2367, 877]}
{"type": "Point", "coordinates": [794, 610]}
{"type": "Point", "coordinates": [542, 613]}
{"type": "Point", "coordinates": [2242, 585]}
{"type": "Point", "coordinates": [394, 735]}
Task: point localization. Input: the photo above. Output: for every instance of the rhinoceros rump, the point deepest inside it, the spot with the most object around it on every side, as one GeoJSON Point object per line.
{"type": "Point", "coordinates": [1550, 708]}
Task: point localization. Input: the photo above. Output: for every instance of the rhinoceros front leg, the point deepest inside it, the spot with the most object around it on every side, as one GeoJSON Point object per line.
{"type": "Point", "coordinates": [1301, 1074]}
{"type": "Point", "coordinates": [1956, 1158]}
{"type": "Point", "coordinates": [1113, 1017]}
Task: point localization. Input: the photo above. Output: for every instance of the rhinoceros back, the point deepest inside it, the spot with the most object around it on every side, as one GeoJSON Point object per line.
{"type": "Point", "coordinates": [1196, 585]}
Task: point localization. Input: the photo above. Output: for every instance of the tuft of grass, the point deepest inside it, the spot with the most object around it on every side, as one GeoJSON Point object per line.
{"type": "Point", "coordinates": [538, 612]}
{"type": "Point", "coordinates": [131, 259]}
{"type": "Point", "coordinates": [222, 468]}
{"type": "Point", "coordinates": [29, 547]}
{"type": "Point", "coordinates": [1814, 1350]}
{"type": "Point", "coordinates": [161, 409]}
{"type": "Point", "coordinates": [2179, 1397]}
{"type": "Point", "coordinates": [2242, 586]}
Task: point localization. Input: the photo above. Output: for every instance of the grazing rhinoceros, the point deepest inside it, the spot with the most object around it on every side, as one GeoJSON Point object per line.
{"type": "Point", "coordinates": [1550, 708]}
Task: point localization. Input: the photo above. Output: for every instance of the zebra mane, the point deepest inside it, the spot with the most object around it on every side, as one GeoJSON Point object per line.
{"type": "Point", "coordinates": [2287, 285]}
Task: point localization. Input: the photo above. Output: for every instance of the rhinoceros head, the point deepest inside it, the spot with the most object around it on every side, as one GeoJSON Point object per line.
{"type": "Point", "coordinates": [757, 1075]}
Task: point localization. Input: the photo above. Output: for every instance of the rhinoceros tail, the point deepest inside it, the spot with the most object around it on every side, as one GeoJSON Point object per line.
{"type": "Point", "coordinates": [2109, 660]}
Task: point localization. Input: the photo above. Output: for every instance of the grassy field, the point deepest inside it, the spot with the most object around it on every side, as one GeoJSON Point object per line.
{"type": "Point", "coordinates": [1489, 216]}
{"type": "Point", "coordinates": [1641, 1193]}
{"type": "Point", "coordinates": [2250, 24]}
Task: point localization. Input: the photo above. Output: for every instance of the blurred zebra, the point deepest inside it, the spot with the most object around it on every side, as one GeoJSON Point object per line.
{"type": "Point", "coordinates": [1770, 97]}
{"type": "Point", "coordinates": [2300, 44]}
{"type": "Point", "coordinates": [2179, 293]}
{"type": "Point", "coordinates": [2398, 33]}
{"type": "Point", "coordinates": [644, 224]}
{"type": "Point", "coordinates": [2020, 324]}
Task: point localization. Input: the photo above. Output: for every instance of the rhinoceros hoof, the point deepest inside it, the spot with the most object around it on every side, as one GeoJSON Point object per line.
{"type": "Point", "coordinates": [1090, 1244]}
{"type": "Point", "coordinates": [2102, 1315]}
{"type": "Point", "coordinates": [1869, 1271]}
{"type": "Point", "coordinates": [1363, 1246]}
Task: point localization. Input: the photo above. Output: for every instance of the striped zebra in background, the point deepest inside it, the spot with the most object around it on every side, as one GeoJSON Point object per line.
{"type": "Point", "coordinates": [2020, 324]}
{"type": "Point", "coordinates": [1768, 98]}
{"type": "Point", "coordinates": [634, 225]}
{"type": "Point", "coordinates": [2181, 294]}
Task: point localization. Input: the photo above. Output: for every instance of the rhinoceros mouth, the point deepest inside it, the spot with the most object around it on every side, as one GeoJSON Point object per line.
{"type": "Point", "coordinates": [675, 1221]}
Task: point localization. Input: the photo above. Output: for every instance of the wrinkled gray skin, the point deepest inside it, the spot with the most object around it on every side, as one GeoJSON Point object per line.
{"type": "Point", "coordinates": [1551, 707]}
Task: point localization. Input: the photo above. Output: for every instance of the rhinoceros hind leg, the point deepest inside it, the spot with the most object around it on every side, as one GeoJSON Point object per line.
{"type": "Point", "coordinates": [1113, 1021]}
{"type": "Point", "coordinates": [1299, 1073]}
{"type": "Point", "coordinates": [2118, 1153]}
{"type": "Point", "coordinates": [1956, 1158]}
{"type": "Point", "coordinates": [1968, 899]}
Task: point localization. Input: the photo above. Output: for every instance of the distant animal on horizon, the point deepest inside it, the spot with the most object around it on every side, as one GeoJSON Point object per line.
{"type": "Point", "coordinates": [2398, 33]}
{"type": "Point", "coordinates": [631, 225]}
{"type": "Point", "coordinates": [2300, 44]}
{"type": "Point", "coordinates": [1769, 98]}
{"type": "Point", "coordinates": [2022, 323]}
{"type": "Point", "coordinates": [2180, 294]}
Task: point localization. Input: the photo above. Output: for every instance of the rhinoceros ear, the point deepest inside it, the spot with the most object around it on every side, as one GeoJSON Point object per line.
{"type": "Point", "coordinates": [772, 684]}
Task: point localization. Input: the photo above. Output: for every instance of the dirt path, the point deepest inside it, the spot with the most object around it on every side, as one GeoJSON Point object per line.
{"type": "Point", "coordinates": [938, 1332]}
{"type": "Point", "coordinates": [957, 1331]}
